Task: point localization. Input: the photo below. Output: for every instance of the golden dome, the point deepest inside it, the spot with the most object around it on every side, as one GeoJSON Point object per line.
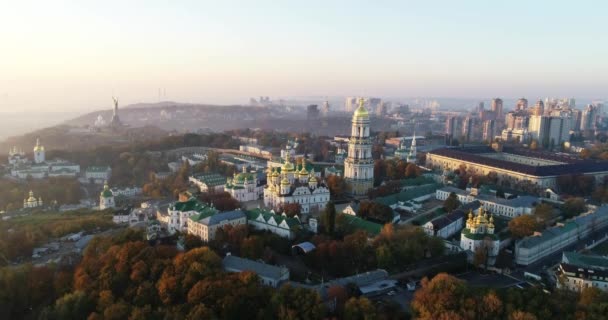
{"type": "Point", "coordinates": [38, 146]}
{"type": "Point", "coordinates": [275, 173]}
{"type": "Point", "coordinates": [287, 166]}
{"type": "Point", "coordinates": [313, 179]}
{"type": "Point", "coordinates": [285, 182]}
{"type": "Point", "coordinates": [361, 112]}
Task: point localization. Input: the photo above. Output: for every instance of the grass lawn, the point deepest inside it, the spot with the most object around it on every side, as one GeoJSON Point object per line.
{"type": "Point", "coordinates": [57, 224]}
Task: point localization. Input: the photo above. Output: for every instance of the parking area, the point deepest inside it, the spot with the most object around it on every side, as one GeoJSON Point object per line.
{"type": "Point", "coordinates": [400, 295]}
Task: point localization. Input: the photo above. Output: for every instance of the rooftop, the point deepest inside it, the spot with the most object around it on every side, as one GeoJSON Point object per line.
{"type": "Point", "coordinates": [233, 263]}
{"type": "Point", "coordinates": [211, 179]}
{"type": "Point", "coordinates": [98, 169]}
{"type": "Point", "coordinates": [362, 224]}
{"type": "Point", "coordinates": [208, 218]}
{"type": "Point", "coordinates": [570, 166]}
{"type": "Point", "coordinates": [559, 230]}
{"type": "Point", "coordinates": [447, 219]}
{"type": "Point", "coordinates": [255, 213]}
{"type": "Point", "coordinates": [520, 201]}
{"type": "Point", "coordinates": [585, 260]}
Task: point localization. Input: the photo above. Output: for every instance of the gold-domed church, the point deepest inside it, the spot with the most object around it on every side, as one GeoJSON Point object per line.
{"type": "Point", "coordinates": [479, 235]}
{"type": "Point", "coordinates": [359, 165]}
{"type": "Point", "coordinates": [294, 183]}
{"type": "Point", "coordinates": [32, 202]}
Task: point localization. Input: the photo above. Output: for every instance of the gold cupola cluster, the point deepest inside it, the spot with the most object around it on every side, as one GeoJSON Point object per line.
{"type": "Point", "coordinates": [480, 223]}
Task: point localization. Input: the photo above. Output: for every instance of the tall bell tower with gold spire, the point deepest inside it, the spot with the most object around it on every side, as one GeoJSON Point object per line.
{"type": "Point", "coordinates": [359, 165]}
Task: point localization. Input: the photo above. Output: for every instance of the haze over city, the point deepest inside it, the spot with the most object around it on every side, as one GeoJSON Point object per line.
{"type": "Point", "coordinates": [73, 55]}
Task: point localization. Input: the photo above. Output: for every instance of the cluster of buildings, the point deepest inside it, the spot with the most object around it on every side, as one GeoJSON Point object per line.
{"type": "Point", "coordinates": [579, 271]}
{"type": "Point", "coordinates": [507, 207]}
{"type": "Point", "coordinates": [202, 220]}
{"type": "Point", "coordinates": [405, 153]}
{"type": "Point", "coordinates": [295, 184]}
{"type": "Point", "coordinates": [22, 168]}
{"type": "Point", "coordinates": [549, 122]}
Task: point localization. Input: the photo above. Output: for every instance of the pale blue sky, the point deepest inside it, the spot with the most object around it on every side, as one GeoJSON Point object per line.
{"type": "Point", "coordinates": [73, 55]}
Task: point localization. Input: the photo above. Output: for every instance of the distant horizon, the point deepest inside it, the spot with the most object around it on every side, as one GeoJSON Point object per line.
{"type": "Point", "coordinates": [580, 102]}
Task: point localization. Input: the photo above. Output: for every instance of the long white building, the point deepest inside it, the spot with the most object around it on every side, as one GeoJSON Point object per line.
{"type": "Point", "coordinates": [531, 249]}
{"type": "Point", "coordinates": [509, 208]}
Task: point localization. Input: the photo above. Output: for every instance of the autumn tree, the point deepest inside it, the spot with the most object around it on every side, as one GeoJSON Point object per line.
{"type": "Point", "coordinates": [523, 226]}
{"type": "Point", "coordinates": [297, 303]}
{"type": "Point", "coordinates": [359, 309]}
{"type": "Point", "coordinates": [291, 209]}
{"type": "Point", "coordinates": [412, 171]}
{"type": "Point", "coordinates": [543, 212]}
{"type": "Point", "coordinates": [336, 185]}
{"type": "Point", "coordinates": [521, 315]}
{"type": "Point", "coordinates": [376, 211]}
{"type": "Point", "coordinates": [440, 298]}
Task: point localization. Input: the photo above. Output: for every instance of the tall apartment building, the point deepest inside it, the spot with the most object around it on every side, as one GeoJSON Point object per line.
{"type": "Point", "coordinates": [489, 130]}
{"type": "Point", "coordinates": [549, 131]}
{"type": "Point", "coordinates": [497, 107]}
{"type": "Point", "coordinates": [521, 104]}
{"type": "Point", "coordinates": [350, 104]}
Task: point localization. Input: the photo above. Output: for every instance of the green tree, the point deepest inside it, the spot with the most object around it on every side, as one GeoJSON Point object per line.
{"type": "Point", "coordinates": [573, 207]}
{"type": "Point", "coordinates": [329, 217]}
{"type": "Point", "coordinates": [451, 203]}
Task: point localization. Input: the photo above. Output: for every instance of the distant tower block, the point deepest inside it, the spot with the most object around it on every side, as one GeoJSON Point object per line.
{"type": "Point", "coordinates": [359, 165]}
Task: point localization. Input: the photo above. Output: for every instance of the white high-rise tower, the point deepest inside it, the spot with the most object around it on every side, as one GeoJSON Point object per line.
{"type": "Point", "coordinates": [359, 165]}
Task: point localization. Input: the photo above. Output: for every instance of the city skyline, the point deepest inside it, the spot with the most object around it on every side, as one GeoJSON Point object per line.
{"type": "Point", "coordinates": [72, 56]}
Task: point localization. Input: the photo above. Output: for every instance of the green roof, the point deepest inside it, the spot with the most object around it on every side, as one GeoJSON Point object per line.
{"type": "Point", "coordinates": [407, 195]}
{"type": "Point", "coordinates": [107, 193]}
{"type": "Point", "coordinates": [240, 178]}
{"type": "Point", "coordinates": [478, 236]}
{"type": "Point", "coordinates": [255, 213]}
{"type": "Point", "coordinates": [192, 205]}
{"type": "Point", "coordinates": [585, 260]}
{"type": "Point", "coordinates": [212, 179]}
{"type": "Point", "coordinates": [362, 224]}
{"type": "Point", "coordinates": [204, 213]}
{"type": "Point", "coordinates": [98, 169]}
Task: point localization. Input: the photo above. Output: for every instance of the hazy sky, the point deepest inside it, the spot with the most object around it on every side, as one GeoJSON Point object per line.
{"type": "Point", "coordinates": [73, 55]}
